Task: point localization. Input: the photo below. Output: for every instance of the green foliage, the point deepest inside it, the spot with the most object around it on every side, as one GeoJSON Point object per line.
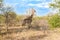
{"type": "Point", "coordinates": [19, 18]}
{"type": "Point", "coordinates": [2, 18]}
{"type": "Point", "coordinates": [55, 5]}
{"type": "Point", "coordinates": [37, 18]}
{"type": "Point", "coordinates": [54, 20]}
{"type": "Point", "coordinates": [1, 4]}
{"type": "Point", "coordinates": [1, 0]}
{"type": "Point", "coordinates": [10, 17]}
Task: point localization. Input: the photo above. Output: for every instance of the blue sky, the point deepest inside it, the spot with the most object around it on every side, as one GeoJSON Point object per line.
{"type": "Point", "coordinates": [20, 6]}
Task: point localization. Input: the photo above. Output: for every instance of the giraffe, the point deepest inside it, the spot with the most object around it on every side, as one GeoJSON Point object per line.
{"type": "Point", "coordinates": [28, 20]}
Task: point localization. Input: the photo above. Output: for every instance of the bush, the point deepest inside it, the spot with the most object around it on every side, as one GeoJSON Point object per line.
{"type": "Point", "coordinates": [54, 20]}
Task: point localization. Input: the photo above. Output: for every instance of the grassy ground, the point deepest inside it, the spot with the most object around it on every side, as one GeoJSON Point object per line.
{"type": "Point", "coordinates": [32, 34]}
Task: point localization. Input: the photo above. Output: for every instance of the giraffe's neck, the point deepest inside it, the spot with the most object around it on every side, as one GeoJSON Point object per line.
{"type": "Point", "coordinates": [31, 16]}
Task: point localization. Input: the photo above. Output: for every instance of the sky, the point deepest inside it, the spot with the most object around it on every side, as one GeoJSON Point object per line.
{"type": "Point", "coordinates": [21, 6]}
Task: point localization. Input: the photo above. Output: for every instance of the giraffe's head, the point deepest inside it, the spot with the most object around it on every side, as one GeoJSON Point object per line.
{"type": "Point", "coordinates": [33, 11]}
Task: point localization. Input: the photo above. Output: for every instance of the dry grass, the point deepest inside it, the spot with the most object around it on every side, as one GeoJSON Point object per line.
{"type": "Point", "coordinates": [24, 35]}
{"type": "Point", "coordinates": [32, 34]}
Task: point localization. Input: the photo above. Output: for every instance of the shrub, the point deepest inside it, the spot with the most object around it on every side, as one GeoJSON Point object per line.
{"type": "Point", "coordinates": [54, 20]}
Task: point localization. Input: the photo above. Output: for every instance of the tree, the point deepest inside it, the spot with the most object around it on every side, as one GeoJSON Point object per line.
{"type": "Point", "coordinates": [55, 5]}
{"type": "Point", "coordinates": [1, 2]}
{"type": "Point", "coordinates": [11, 18]}
{"type": "Point", "coordinates": [9, 15]}
{"type": "Point", "coordinates": [54, 20]}
{"type": "Point", "coordinates": [1, 5]}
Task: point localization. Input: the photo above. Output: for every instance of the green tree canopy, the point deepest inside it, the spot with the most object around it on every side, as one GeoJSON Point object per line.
{"type": "Point", "coordinates": [55, 5]}
{"type": "Point", "coordinates": [54, 20]}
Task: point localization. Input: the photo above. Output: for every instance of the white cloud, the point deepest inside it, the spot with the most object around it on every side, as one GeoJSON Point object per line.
{"type": "Point", "coordinates": [24, 3]}
{"type": "Point", "coordinates": [33, 0]}
{"type": "Point", "coordinates": [42, 5]}
{"type": "Point", "coordinates": [10, 4]}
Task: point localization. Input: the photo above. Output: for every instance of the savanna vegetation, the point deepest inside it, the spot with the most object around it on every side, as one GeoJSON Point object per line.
{"type": "Point", "coordinates": [11, 23]}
